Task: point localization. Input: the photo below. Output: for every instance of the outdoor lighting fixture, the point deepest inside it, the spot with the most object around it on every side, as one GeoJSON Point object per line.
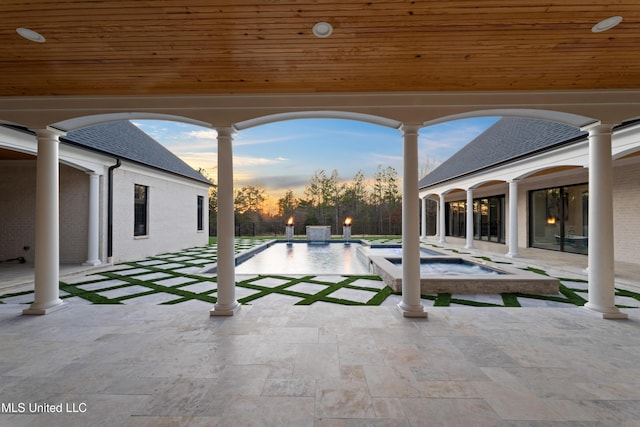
{"type": "Point", "coordinates": [322, 29]}
{"type": "Point", "coordinates": [606, 24]}
{"type": "Point", "coordinates": [551, 220]}
{"type": "Point", "coordinates": [31, 35]}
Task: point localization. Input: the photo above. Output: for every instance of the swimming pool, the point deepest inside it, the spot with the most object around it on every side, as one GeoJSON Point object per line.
{"type": "Point", "coordinates": [396, 251]}
{"type": "Point", "coordinates": [304, 258]}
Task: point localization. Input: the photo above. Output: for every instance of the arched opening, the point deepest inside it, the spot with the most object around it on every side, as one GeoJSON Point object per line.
{"type": "Point", "coordinates": [319, 170]}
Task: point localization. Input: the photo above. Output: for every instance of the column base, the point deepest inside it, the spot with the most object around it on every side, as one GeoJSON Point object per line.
{"type": "Point", "coordinates": [225, 311]}
{"type": "Point", "coordinates": [39, 309]}
{"type": "Point", "coordinates": [612, 314]}
{"type": "Point", "coordinates": [412, 311]}
{"type": "Point", "coordinates": [469, 247]}
{"type": "Point", "coordinates": [513, 255]}
{"type": "Point", "coordinates": [92, 263]}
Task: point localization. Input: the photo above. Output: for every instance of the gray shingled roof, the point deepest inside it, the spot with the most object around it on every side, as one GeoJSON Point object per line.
{"type": "Point", "coordinates": [507, 140]}
{"type": "Point", "coordinates": [125, 141]}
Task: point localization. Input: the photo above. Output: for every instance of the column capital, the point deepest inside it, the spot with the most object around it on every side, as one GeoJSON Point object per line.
{"type": "Point", "coordinates": [598, 128]}
{"type": "Point", "coordinates": [225, 131]}
{"type": "Point", "coordinates": [408, 128]}
{"type": "Point", "coordinates": [49, 133]}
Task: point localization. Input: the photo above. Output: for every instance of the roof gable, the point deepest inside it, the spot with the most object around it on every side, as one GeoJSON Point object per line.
{"type": "Point", "coordinates": [508, 139]}
{"type": "Point", "coordinates": [126, 141]}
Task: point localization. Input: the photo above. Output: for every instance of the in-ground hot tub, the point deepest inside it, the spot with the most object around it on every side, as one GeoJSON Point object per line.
{"type": "Point", "coordinates": [458, 275]}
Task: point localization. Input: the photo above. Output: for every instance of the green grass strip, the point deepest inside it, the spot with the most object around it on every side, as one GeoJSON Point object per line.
{"type": "Point", "coordinates": [535, 270]}
{"type": "Point", "coordinates": [472, 303]}
{"type": "Point", "coordinates": [90, 296]}
{"type": "Point", "coordinates": [625, 293]}
{"type": "Point", "coordinates": [442, 300]}
{"type": "Point", "coordinates": [572, 296]}
{"type": "Point", "coordinates": [155, 288]}
{"type": "Point", "coordinates": [510, 300]}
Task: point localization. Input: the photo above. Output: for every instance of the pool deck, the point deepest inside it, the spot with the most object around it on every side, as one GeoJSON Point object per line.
{"type": "Point", "coordinates": [178, 278]}
{"type": "Point", "coordinates": [322, 365]}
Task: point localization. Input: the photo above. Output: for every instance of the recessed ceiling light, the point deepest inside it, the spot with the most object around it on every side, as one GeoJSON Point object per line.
{"type": "Point", "coordinates": [606, 24]}
{"type": "Point", "coordinates": [31, 35]}
{"type": "Point", "coordinates": [322, 29]}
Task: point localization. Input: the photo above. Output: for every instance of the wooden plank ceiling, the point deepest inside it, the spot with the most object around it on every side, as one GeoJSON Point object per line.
{"type": "Point", "coordinates": [134, 47]}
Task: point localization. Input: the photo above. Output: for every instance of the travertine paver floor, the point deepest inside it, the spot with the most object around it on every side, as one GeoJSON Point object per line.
{"type": "Point", "coordinates": [322, 365]}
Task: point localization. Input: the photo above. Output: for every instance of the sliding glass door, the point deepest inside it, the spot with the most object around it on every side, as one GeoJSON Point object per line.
{"type": "Point", "coordinates": [559, 218]}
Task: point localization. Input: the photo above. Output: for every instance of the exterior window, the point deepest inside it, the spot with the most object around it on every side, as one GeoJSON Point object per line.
{"type": "Point", "coordinates": [559, 218]}
{"type": "Point", "coordinates": [140, 212]}
{"type": "Point", "coordinates": [200, 213]}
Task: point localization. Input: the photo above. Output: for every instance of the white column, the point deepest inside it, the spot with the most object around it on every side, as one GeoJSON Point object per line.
{"type": "Point", "coordinates": [410, 305]}
{"type": "Point", "coordinates": [423, 218]}
{"type": "Point", "coordinates": [93, 237]}
{"type": "Point", "coordinates": [47, 240]}
{"type": "Point", "coordinates": [226, 304]}
{"type": "Point", "coordinates": [513, 219]}
{"type": "Point", "coordinates": [442, 219]}
{"type": "Point", "coordinates": [469, 244]}
{"type": "Point", "coordinates": [437, 218]}
{"type": "Point", "coordinates": [601, 257]}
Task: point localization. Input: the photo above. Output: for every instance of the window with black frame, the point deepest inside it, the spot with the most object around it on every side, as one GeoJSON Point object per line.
{"type": "Point", "coordinates": [140, 211]}
{"type": "Point", "coordinates": [200, 213]}
{"type": "Point", "coordinates": [559, 218]}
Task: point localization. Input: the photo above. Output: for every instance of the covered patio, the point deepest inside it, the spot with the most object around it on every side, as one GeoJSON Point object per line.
{"type": "Point", "coordinates": [260, 63]}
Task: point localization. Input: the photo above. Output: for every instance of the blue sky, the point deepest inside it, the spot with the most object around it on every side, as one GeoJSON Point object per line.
{"type": "Point", "coordinates": [284, 155]}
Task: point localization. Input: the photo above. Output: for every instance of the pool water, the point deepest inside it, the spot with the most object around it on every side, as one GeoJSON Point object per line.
{"type": "Point", "coordinates": [305, 258]}
{"type": "Point", "coordinates": [396, 251]}
{"type": "Point", "coordinates": [455, 266]}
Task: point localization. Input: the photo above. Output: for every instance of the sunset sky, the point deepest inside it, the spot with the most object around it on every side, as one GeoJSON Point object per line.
{"type": "Point", "coordinates": [284, 155]}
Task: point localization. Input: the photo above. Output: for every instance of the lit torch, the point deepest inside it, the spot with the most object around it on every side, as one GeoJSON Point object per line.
{"type": "Point", "coordinates": [289, 229]}
{"type": "Point", "coordinates": [346, 230]}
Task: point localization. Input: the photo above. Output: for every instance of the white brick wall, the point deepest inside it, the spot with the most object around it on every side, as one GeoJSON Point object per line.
{"type": "Point", "coordinates": [17, 216]}
{"type": "Point", "coordinates": [626, 211]}
{"type": "Point", "coordinates": [74, 215]}
{"type": "Point", "coordinates": [17, 209]}
{"type": "Point", "coordinates": [172, 219]}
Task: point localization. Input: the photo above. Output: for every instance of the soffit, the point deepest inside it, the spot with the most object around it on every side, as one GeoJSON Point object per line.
{"type": "Point", "coordinates": [205, 47]}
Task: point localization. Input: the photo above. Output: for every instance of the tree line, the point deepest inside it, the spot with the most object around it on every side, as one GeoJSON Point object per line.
{"type": "Point", "coordinates": [375, 205]}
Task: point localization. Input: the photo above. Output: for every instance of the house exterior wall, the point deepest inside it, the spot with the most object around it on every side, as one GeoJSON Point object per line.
{"type": "Point", "coordinates": [172, 214]}
{"type": "Point", "coordinates": [17, 216]}
{"type": "Point", "coordinates": [74, 218]}
{"type": "Point", "coordinates": [172, 209]}
{"type": "Point", "coordinates": [626, 210]}
{"type": "Point", "coordinates": [17, 209]}
{"type": "Point", "coordinates": [532, 176]}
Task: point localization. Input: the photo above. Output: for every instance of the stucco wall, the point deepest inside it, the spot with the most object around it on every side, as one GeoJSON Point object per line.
{"type": "Point", "coordinates": [172, 214]}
